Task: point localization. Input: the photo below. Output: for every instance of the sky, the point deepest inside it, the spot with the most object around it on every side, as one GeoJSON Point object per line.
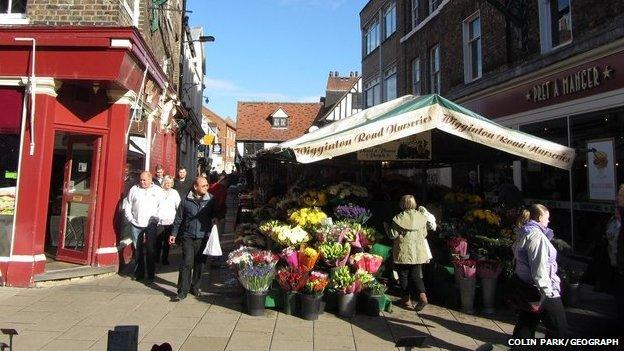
{"type": "Point", "coordinates": [275, 50]}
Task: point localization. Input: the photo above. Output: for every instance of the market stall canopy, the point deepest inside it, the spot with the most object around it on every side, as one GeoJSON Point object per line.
{"type": "Point", "coordinates": [409, 115]}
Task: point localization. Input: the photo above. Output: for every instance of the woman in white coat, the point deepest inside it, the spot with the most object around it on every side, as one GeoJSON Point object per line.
{"type": "Point", "coordinates": [166, 214]}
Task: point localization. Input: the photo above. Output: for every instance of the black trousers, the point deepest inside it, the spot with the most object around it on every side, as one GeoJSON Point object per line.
{"type": "Point", "coordinates": [145, 252]}
{"type": "Point", "coordinates": [193, 261]}
{"type": "Point", "coordinates": [552, 315]}
{"type": "Point", "coordinates": [410, 279]}
{"type": "Point", "coordinates": [162, 244]}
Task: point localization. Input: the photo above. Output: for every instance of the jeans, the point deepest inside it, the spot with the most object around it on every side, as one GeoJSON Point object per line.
{"type": "Point", "coordinates": [410, 279]}
{"type": "Point", "coordinates": [144, 240]}
{"type": "Point", "coordinates": [193, 261]}
{"type": "Point", "coordinates": [552, 315]}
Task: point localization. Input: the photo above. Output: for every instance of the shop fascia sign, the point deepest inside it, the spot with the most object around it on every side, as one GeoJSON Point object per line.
{"type": "Point", "coordinates": [585, 79]}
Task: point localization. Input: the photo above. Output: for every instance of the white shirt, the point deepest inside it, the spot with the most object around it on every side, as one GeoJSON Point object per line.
{"type": "Point", "coordinates": [141, 205]}
{"type": "Point", "coordinates": [168, 205]}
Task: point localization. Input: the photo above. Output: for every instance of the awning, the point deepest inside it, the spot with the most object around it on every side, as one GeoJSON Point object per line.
{"type": "Point", "coordinates": [409, 115]}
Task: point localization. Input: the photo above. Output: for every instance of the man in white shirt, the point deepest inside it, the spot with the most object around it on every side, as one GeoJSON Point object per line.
{"type": "Point", "coordinates": [141, 211]}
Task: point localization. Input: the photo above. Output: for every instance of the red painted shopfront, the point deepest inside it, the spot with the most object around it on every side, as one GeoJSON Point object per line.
{"type": "Point", "coordinates": [63, 157]}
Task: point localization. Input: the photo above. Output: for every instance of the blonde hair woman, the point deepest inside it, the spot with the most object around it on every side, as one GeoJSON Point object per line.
{"type": "Point", "coordinates": [167, 208]}
{"type": "Point", "coordinates": [536, 264]}
{"type": "Point", "coordinates": [409, 251]}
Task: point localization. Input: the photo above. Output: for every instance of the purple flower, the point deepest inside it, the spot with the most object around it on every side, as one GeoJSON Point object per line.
{"type": "Point", "coordinates": [352, 212]}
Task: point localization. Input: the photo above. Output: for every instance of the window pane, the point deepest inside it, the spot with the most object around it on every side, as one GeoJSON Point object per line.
{"type": "Point", "coordinates": [4, 6]}
{"type": "Point", "coordinates": [415, 18]}
{"type": "Point", "coordinates": [390, 87]}
{"type": "Point", "coordinates": [476, 58]}
{"type": "Point", "coordinates": [416, 77]}
{"type": "Point", "coordinates": [18, 6]}
{"type": "Point", "coordinates": [389, 19]}
{"type": "Point", "coordinates": [561, 26]}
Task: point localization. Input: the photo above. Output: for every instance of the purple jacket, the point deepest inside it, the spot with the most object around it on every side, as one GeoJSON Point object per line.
{"type": "Point", "coordinates": [536, 258]}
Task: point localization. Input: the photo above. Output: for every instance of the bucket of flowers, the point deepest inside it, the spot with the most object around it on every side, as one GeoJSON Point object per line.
{"type": "Point", "coordinates": [375, 298]}
{"type": "Point", "coordinates": [348, 285]}
{"type": "Point", "coordinates": [488, 271]}
{"type": "Point", "coordinates": [291, 279]}
{"type": "Point", "coordinates": [256, 270]}
{"type": "Point", "coordinates": [466, 271]}
{"type": "Point", "coordinates": [366, 261]}
{"type": "Point", "coordinates": [312, 294]}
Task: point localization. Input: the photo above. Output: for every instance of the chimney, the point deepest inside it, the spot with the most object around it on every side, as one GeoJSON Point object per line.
{"type": "Point", "coordinates": [335, 73]}
{"type": "Point", "coordinates": [357, 74]}
{"type": "Point", "coordinates": [331, 74]}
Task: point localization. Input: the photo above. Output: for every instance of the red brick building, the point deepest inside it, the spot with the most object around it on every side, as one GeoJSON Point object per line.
{"type": "Point", "coordinates": [76, 80]}
{"type": "Point", "coordinates": [223, 150]}
{"type": "Point", "coordinates": [551, 68]}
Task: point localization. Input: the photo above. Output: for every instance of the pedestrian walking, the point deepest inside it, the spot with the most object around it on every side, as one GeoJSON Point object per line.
{"type": "Point", "coordinates": [166, 215]}
{"type": "Point", "coordinates": [192, 224]}
{"type": "Point", "coordinates": [536, 266]}
{"type": "Point", "coordinates": [182, 183]}
{"type": "Point", "coordinates": [141, 211]}
{"type": "Point", "coordinates": [410, 251]}
{"type": "Point", "coordinates": [159, 175]}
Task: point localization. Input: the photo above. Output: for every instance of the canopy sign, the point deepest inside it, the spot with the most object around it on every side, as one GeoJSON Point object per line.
{"type": "Point", "coordinates": [409, 115]}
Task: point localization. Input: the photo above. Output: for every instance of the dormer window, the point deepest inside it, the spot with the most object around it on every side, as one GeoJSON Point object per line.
{"type": "Point", "coordinates": [279, 119]}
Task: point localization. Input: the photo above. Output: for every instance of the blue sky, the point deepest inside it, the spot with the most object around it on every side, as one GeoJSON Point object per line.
{"type": "Point", "coordinates": [275, 50]}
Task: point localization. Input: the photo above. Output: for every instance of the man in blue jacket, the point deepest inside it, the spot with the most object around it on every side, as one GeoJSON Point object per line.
{"type": "Point", "coordinates": [193, 222]}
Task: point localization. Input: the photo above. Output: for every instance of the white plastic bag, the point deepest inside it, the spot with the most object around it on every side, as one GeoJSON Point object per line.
{"type": "Point", "coordinates": [213, 247]}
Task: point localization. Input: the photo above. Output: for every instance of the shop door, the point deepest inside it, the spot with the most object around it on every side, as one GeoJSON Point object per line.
{"type": "Point", "coordinates": [78, 205]}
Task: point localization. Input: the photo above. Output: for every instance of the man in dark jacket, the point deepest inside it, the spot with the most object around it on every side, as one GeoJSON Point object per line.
{"type": "Point", "coordinates": [192, 223]}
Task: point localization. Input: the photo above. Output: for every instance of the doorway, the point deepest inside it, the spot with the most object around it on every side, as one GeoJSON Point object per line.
{"type": "Point", "coordinates": [73, 194]}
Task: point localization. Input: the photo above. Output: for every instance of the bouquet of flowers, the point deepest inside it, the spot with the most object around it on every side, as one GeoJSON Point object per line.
{"type": "Point", "coordinates": [307, 258]}
{"type": "Point", "coordinates": [458, 246]}
{"type": "Point", "coordinates": [486, 216]}
{"type": "Point", "coordinates": [489, 268]}
{"type": "Point", "coordinates": [313, 198]}
{"type": "Point", "coordinates": [366, 262]}
{"type": "Point", "coordinates": [347, 283]}
{"type": "Point", "coordinates": [292, 278]}
{"type": "Point", "coordinates": [284, 234]}
{"type": "Point", "coordinates": [291, 256]}
{"type": "Point", "coordinates": [256, 268]}
{"type": "Point", "coordinates": [316, 283]}
{"type": "Point", "coordinates": [336, 232]}
{"type": "Point", "coordinates": [355, 213]}
{"type": "Point", "coordinates": [307, 217]}
{"type": "Point", "coordinates": [376, 288]}
{"type": "Point", "coordinates": [345, 189]}
{"type": "Point", "coordinates": [334, 254]}
{"type": "Point", "coordinates": [465, 268]}
{"type": "Point", "coordinates": [360, 236]}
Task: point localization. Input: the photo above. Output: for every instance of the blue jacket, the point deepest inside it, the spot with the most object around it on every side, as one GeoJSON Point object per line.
{"type": "Point", "coordinates": [194, 217]}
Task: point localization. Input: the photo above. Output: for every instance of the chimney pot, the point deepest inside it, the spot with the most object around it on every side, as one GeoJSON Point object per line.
{"type": "Point", "coordinates": [335, 73]}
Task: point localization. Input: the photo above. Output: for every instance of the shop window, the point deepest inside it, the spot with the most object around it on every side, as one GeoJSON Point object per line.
{"type": "Point", "coordinates": [390, 88]}
{"type": "Point", "coordinates": [10, 136]}
{"type": "Point", "coordinates": [371, 37]}
{"type": "Point", "coordinates": [251, 148]}
{"type": "Point", "coordinates": [472, 48]}
{"type": "Point", "coordinates": [390, 20]}
{"type": "Point", "coordinates": [434, 63]}
{"type": "Point", "coordinates": [555, 20]}
{"type": "Point", "coordinates": [416, 76]}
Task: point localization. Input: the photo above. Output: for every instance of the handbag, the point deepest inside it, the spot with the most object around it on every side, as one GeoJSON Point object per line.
{"type": "Point", "coordinates": [524, 296]}
{"type": "Point", "coordinates": [213, 247]}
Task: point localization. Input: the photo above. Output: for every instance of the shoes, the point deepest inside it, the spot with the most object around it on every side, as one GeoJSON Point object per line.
{"type": "Point", "coordinates": [420, 305]}
{"type": "Point", "coordinates": [138, 278]}
{"type": "Point", "coordinates": [196, 291]}
{"type": "Point", "coordinates": [150, 279]}
{"type": "Point", "coordinates": [181, 296]}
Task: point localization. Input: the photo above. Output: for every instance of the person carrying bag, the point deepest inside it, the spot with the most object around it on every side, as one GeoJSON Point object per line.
{"type": "Point", "coordinates": [213, 247]}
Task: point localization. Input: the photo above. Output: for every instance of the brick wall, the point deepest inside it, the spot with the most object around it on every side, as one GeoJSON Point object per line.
{"type": "Point", "coordinates": [163, 43]}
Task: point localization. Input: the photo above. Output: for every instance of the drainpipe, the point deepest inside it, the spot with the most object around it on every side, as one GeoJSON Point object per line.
{"type": "Point", "coordinates": [32, 87]}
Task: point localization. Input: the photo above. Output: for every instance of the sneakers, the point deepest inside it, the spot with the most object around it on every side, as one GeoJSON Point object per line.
{"type": "Point", "coordinates": [196, 291]}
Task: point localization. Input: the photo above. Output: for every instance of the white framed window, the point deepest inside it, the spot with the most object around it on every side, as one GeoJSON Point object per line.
{"type": "Point", "coordinates": [414, 13]}
{"type": "Point", "coordinates": [280, 122]}
{"type": "Point", "coordinates": [390, 84]}
{"type": "Point", "coordinates": [434, 65]}
{"type": "Point", "coordinates": [371, 37]}
{"type": "Point", "coordinates": [132, 7]}
{"type": "Point", "coordinates": [390, 20]}
{"type": "Point", "coordinates": [433, 5]}
{"type": "Point", "coordinates": [372, 92]}
{"type": "Point", "coordinates": [13, 12]}
{"type": "Point", "coordinates": [416, 76]}
{"type": "Point", "coordinates": [473, 58]}
{"type": "Point", "coordinates": [555, 19]}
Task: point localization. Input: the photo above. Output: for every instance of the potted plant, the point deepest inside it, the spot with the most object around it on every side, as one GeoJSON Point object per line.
{"type": "Point", "coordinates": [256, 270]}
{"type": "Point", "coordinates": [466, 273]}
{"type": "Point", "coordinates": [488, 271]}
{"type": "Point", "coordinates": [311, 295]}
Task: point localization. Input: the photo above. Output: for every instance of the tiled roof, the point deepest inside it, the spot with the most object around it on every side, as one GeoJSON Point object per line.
{"type": "Point", "coordinates": [253, 120]}
{"type": "Point", "coordinates": [340, 83]}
